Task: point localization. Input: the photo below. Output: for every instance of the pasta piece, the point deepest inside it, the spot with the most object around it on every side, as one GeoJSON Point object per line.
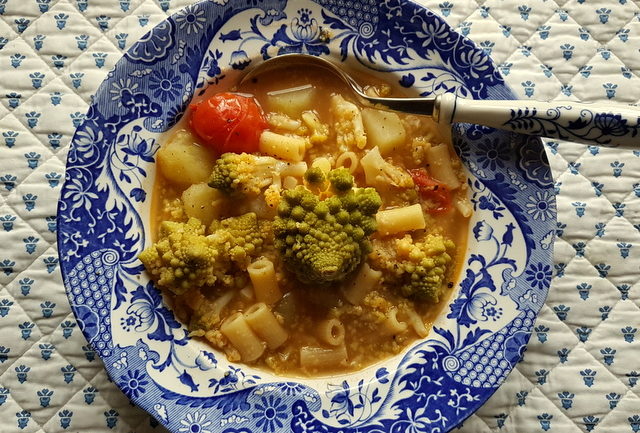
{"type": "Point", "coordinates": [391, 325]}
{"type": "Point", "coordinates": [348, 124]}
{"type": "Point", "coordinates": [319, 131]}
{"type": "Point", "coordinates": [263, 277]}
{"type": "Point", "coordinates": [331, 331]}
{"type": "Point", "coordinates": [287, 147]}
{"type": "Point", "coordinates": [246, 294]}
{"type": "Point", "coordinates": [323, 163]}
{"type": "Point", "coordinates": [265, 325]}
{"type": "Point", "coordinates": [440, 166]}
{"type": "Point", "coordinates": [318, 358]}
{"type": "Point", "coordinates": [363, 283]}
{"type": "Point", "coordinates": [401, 219]}
{"type": "Point", "coordinates": [240, 335]}
{"type": "Point", "coordinates": [416, 322]}
{"type": "Point", "coordinates": [283, 122]}
{"type": "Point", "coordinates": [289, 182]}
{"type": "Point", "coordinates": [348, 160]}
{"type": "Point", "coordinates": [462, 203]}
{"type": "Point", "coordinates": [294, 169]}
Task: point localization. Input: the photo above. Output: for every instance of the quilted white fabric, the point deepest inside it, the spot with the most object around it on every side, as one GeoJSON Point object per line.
{"type": "Point", "coordinates": [582, 367]}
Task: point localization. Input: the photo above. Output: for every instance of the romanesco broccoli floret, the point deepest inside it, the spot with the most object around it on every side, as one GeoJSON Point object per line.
{"type": "Point", "coordinates": [340, 179]}
{"type": "Point", "coordinates": [416, 268]}
{"type": "Point", "coordinates": [240, 238]}
{"type": "Point", "coordinates": [322, 241]}
{"type": "Point", "coordinates": [182, 258]}
{"type": "Point", "coordinates": [316, 177]}
{"type": "Point", "coordinates": [244, 173]}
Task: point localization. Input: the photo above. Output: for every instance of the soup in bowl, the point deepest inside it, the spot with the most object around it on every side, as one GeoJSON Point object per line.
{"type": "Point", "coordinates": [310, 236]}
{"type": "Point", "coordinates": [327, 265]}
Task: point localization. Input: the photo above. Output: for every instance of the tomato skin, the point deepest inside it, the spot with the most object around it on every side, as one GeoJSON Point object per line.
{"type": "Point", "coordinates": [228, 122]}
{"type": "Point", "coordinates": [431, 189]}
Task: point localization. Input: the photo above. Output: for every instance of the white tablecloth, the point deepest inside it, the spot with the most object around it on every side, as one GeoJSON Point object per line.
{"type": "Point", "coordinates": [581, 368]}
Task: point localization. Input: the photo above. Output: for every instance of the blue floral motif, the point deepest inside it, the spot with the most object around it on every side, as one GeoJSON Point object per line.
{"type": "Point", "coordinates": [596, 127]}
{"type": "Point", "coordinates": [155, 45]}
{"type": "Point", "coordinates": [195, 423]}
{"type": "Point", "coordinates": [493, 153]}
{"type": "Point", "coordinates": [165, 84]}
{"type": "Point", "coordinates": [532, 162]}
{"type": "Point", "coordinates": [475, 302]}
{"type": "Point", "coordinates": [146, 310]}
{"type": "Point", "coordinates": [539, 275]}
{"type": "Point", "coordinates": [270, 413]}
{"type": "Point", "coordinates": [192, 19]}
{"type": "Point", "coordinates": [133, 383]}
{"type": "Point", "coordinates": [541, 205]}
{"type": "Point", "coordinates": [291, 388]}
{"type": "Point", "coordinates": [350, 404]}
{"type": "Point", "coordinates": [611, 124]}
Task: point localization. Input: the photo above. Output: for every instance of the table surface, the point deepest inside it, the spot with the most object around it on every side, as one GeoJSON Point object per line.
{"type": "Point", "coordinates": [581, 368]}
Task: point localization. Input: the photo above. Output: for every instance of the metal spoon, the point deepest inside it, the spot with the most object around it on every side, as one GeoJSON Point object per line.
{"type": "Point", "coordinates": [611, 125]}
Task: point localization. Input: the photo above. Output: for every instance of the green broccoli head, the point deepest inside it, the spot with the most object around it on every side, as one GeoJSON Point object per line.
{"type": "Point", "coordinates": [322, 241]}
{"type": "Point", "coordinates": [240, 238]}
{"type": "Point", "coordinates": [416, 269]}
{"type": "Point", "coordinates": [182, 258]}
{"type": "Point", "coordinates": [243, 173]}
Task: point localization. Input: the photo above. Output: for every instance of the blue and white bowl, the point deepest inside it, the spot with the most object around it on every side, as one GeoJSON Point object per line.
{"type": "Point", "coordinates": [185, 384]}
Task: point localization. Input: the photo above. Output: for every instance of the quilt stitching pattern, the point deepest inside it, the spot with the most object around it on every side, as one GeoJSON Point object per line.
{"type": "Point", "coordinates": [580, 372]}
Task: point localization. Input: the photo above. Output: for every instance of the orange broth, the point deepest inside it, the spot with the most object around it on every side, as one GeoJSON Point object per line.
{"type": "Point", "coordinates": [303, 307]}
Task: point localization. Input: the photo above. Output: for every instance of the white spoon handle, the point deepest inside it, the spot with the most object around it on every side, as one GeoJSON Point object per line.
{"type": "Point", "coordinates": [611, 125]}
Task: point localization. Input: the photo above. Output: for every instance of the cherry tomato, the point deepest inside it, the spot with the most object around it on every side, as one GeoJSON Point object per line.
{"type": "Point", "coordinates": [228, 122]}
{"type": "Point", "coordinates": [431, 189]}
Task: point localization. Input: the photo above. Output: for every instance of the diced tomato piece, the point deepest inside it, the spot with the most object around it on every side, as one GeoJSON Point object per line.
{"type": "Point", "coordinates": [431, 189]}
{"type": "Point", "coordinates": [229, 122]}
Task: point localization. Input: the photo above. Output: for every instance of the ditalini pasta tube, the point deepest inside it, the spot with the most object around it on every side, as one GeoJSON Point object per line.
{"type": "Point", "coordinates": [294, 169]}
{"type": "Point", "coordinates": [391, 325]}
{"type": "Point", "coordinates": [401, 219]}
{"type": "Point", "coordinates": [282, 146]}
{"type": "Point", "coordinates": [240, 335]}
{"type": "Point", "coordinates": [265, 283]}
{"type": "Point", "coordinates": [264, 323]}
{"type": "Point", "coordinates": [366, 279]}
{"type": "Point", "coordinates": [321, 358]}
{"type": "Point", "coordinates": [440, 165]}
{"type": "Point", "coordinates": [348, 160]}
{"type": "Point", "coordinates": [331, 331]}
{"type": "Point", "coordinates": [323, 163]}
{"type": "Point", "coordinates": [416, 322]}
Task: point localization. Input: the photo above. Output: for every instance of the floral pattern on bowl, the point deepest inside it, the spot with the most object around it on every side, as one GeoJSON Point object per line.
{"type": "Point", "coordinates": [104, 210]}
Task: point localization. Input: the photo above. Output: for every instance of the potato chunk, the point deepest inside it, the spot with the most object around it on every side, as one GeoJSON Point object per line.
{"type": "Point", "coordinates": [384, 129]}
{"type": "Point", "coordinates": [293, 101]}
{"type": "Point", "coordinates": [181, 160]}
{"type": "Point", "coordinates": [202, 202]}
